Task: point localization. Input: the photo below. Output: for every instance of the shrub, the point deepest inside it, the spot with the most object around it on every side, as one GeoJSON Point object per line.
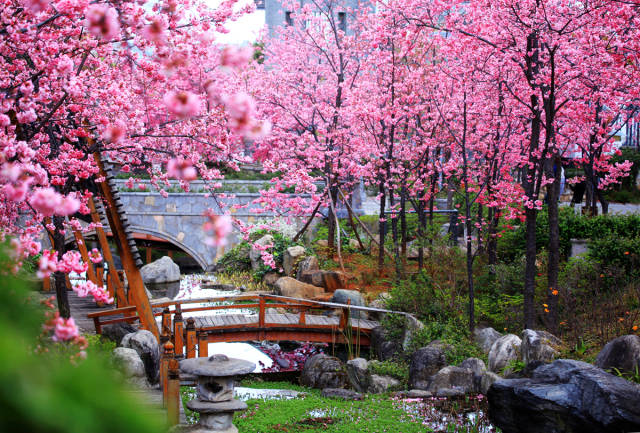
{"type": "Point", "coordinates": [236, 259]}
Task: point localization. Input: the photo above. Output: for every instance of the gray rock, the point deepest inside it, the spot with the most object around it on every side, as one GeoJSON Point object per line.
{"type": "Point", "coordinates": [322, 243]}
{"type": "Point", "coordinates": [308, 264]}
{"type": "Point", "coordinates": [485, 337]}
{"type": "Point", "coordinates": [358, 374]}
{"type": "Point", "coordinates": [486, 380]}
{"type": "Point", "coordinates": [343, 394]}
{"type": "Point", "coordinates": [474, 364]}
{"type": "Point", "coordinates": [384, 348]}
{"type": "Point", "coordinates": [287, 286]}
{"type": "Point", "coordinates": [411, 326]}
{"type": "Point", "coordinates": [255, 255]}
{"type": "Point", "coordinates": [163, 270]}
{"type": "Point", "coordinates": [503, 350]}
{"type": "Point", "coordinates": [425, 363]}
{"type": "Point", "coordinates": [330, 280]}
{"type": "Point", "coordinates": [622, 353]}
{"type": "Point", "coordinates": [116, 331]}
{"type": "Point", "coordinates": [450, 392]}
{"type": "Point", "coordinates": [148, 348]}
{"type": "Point", "coordinates": [539, 346]}
{"type": "Point", "coordinates": [565, 396]}
{"type": "Point", "coordinates": [354, 244]}
{"type": "Point", "coordinates": [128, 362]}
{"type": "Point", "coordinates": [323, 371]}
{"type": "Point", "coordinates": [270, 279]}
{"type": "Point", "coordinates": [452, 377]}
{"type": "Point", "coordinates": [291, 256]}
{"type": "Point", "coordinates": [381, 384]}
{"type": "Point", "coordinates": [351, 297]}
{"type": "Point", "coordinates": [217, 365]}
{"type": "Point", "coordinates": [418, 393]}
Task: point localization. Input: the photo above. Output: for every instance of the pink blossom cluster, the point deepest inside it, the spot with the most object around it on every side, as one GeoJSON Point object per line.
{"type": "Point", "coordinates": [48, 202]}
{"type": "Point", "coordinates": [95, 256]}
{"type": "Point", "coordinates": [182, 169]}
{"type": "Point", "coordinates": [218, 227]}
{"type": "Point", "coordinates": [99, 294]}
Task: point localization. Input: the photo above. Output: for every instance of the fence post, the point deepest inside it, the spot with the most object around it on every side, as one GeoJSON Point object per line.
{"type": "Point", "coordinates": [164, 370]}
{"type": "Point", "coordinates": [173, 392]}
{"type": "Point", "coordinates": [178, 332]}
{"type": "Point", "coordinates": [203, 344]}
{"type": "Point", "coordinates": [166, 321]}
{"type": "Point", "coordinates": [191, 338]}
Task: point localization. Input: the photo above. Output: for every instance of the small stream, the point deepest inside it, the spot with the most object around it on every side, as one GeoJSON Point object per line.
{"type": "Point", "coordinates": [193, 286]}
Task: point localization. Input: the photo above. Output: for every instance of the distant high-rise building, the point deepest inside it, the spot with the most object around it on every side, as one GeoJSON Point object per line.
{"type": "Point", "coordinates": [277, 16]}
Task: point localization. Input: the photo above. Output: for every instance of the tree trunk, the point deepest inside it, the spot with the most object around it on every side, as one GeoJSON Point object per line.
{"type": "Point", "coordinates": [331, 223]}
{"type": "Point", "coordinates": [60, 280]}
{"type": "Point", "coordinates": [403, 224]}
{"type": "Point", "coordinates": [394, 237]}
{"type": "Point", "coordinates": [382, 226]}
{"type": "Point", "coordinates": [530, 268]}
{"type": "Point", "coordinates": [553, 193]}
{"type": "Point", "coordinates": [492, 243]}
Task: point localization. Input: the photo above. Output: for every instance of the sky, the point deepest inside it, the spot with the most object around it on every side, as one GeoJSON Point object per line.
{"type": "Point", "coordinates": [243, 31]}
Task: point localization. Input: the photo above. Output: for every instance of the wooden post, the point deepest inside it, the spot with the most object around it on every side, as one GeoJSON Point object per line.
{"type": "Point", "coordinates": [191, 338]}
{"type": "Point", "coordinates": [303, 313]}
{"type": "Point", "coordinates": [46, 284]}
{"type": "Point", "coordinates": [116, 281]}
{"type": "Point", "coordinates": [203, 345]}
{"type": "Point", "coordinates": [173, 393]}
{"type": "Point", "coordinates": [261, 312]}
{"type": "Point", "coordinates": [178, 332]}
{"type": "Point", "coordinates": [167, 356]}
{"type": "Point", "coordinates": [166, 321]}
{"type": "Point", "coordinates": [136, 286]}
{"type": "Point", "coordinates": [100, 275]}
{"type": "Point", "coordinates": [148, 251]}
{"type": "Point", "coordinates": [82, 247]}
{"type": "Point", "coordinates": [110, 288]}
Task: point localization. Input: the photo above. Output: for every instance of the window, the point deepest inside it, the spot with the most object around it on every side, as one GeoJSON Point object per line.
{"type": "Point", "coordinates": [287, 18]}
{"type": "Point", "coordinates": [342, 21]}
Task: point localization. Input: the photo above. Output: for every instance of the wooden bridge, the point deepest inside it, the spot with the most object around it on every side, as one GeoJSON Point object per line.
{"type": "Point", "coordinates": [256, 317]}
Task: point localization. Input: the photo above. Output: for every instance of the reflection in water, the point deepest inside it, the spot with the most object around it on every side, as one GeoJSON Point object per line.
{"type": "Point", "coordinates": [164, 290]}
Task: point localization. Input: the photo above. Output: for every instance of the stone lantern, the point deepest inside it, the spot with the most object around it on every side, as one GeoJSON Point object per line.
{"type": "Point", "coordinates": [214, 401]}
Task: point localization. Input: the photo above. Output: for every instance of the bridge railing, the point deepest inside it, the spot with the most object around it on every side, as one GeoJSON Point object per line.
{"type": "Point", "coordinates": [260, 302]}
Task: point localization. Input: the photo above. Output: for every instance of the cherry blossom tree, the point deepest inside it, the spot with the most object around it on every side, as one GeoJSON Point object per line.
{"type": "Point", "coordinates": [140, 84]}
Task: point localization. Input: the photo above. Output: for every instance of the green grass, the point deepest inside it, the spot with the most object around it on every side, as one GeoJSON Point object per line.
{"type": "Point", "coordinates": [375, 414]}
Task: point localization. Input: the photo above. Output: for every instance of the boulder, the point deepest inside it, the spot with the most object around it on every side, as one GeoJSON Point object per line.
{"type": "Point", "coordinates": [454, 378]}
{"type": "Point", "coordinates": [380, 301]}
{"type": "Point", "coordinates": [128, 362]}
{"type": "Point", "coordinates": [411, 326]}
{"type": "Point", "coordinates": [163, 270]}
{"type": "Point", "coordinates": [622, 353]}
{"type": "Point", "coordinates": [503, 350]}
{"type": "Point", "coordinates": [485, 337]}
{"type": "Point", "coordinates": [255, 255]}
{"type": "Point", "coordinates": [487, 379]}
{"type": "Point", "coordinates": [116, 331]}
{"type": "Point", "coordinates": [330, 280]}
{"type": "Point", "coordinates": [478, 367]}
{"type": "Point", "coordinates": [539, 346]}
{"type": "Point", "coordinates": [358, 374]}
{"type": "Point", "coordinates": [147, 347]}
{"type": "Point", "coordinates": [291, 257]}
{"type": "Point", "coordinates": [323, 371]}
{"type": "Point", "coordinates": [354, 244]}
{"type": "Point", "coordinates": [350, 297]}
{"type": "Point", "coordinates": [322, 243]}
{"type": "Point", "coordinates": [287, 286]}
{"type": "Point", "coordinates": [270, 279]}
{"type": "Point", "coordinates": [425, 363]}
{"type": "Point", "coordinates": [308, 264]}
{"type": "Point", "coordinates": [384, 348]}
{"type": "Point", "coordinates": [565, 396]}
{"type": "Point", "coordinates": [381, 384]}
{"type": "Point", "coordinates": [343, 394]}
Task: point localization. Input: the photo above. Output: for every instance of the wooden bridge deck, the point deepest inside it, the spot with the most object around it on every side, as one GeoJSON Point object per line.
{"type": "Point", "coordinates": [238, 320]}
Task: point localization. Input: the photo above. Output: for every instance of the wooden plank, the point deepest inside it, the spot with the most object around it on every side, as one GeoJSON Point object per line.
{"type": "Point", "coordinates": [136, 286]}
{"type": "Point", "coordinates": [120, 296]}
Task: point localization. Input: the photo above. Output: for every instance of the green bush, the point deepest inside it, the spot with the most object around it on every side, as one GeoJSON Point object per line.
{"type": "Point", "coordinates": [236, 259]}
{"type": "Point", "coordinates": [45, 392]}
{"type": "Point", "coordinates": [613, 252]}
{"type": "Point", "coordinates": [396, 369]}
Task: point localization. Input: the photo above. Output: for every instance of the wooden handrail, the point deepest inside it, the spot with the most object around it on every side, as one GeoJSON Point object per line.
{"type": "Point", "coordinates": [261, 304]}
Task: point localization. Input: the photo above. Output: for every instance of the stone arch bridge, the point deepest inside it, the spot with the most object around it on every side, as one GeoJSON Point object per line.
{"type": "Point", "coordinates": [178, 218]}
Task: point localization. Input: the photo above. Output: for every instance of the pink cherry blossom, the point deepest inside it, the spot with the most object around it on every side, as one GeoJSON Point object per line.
{"type": "Point", "coordinates": [181, 169]}
{"type": "Point", "coordinates": [219, 226]}
{"type": "Point", "coordinates": [102, 21]}
{"type": "Point", "coordinates": [236, 57]}
{"type": "Point", "coordinates": [65, 329]}
{"type": "Point", "coordinates": [47, 264]}
{"type": "Point", "coordinates": [183, 104]}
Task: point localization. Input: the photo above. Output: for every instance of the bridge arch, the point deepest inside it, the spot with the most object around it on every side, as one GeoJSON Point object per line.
{"type": "Point", "coordinates": [202, 262]}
